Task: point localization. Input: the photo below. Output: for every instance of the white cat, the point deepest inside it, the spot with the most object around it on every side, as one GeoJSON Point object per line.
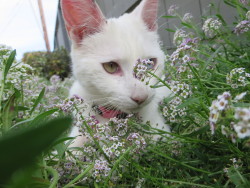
{"type": "Point", "coordinates": [104, 53]}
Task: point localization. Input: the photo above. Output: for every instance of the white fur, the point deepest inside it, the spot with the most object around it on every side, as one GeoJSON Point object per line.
{"type": "Point", "coordinates": [123, 40]}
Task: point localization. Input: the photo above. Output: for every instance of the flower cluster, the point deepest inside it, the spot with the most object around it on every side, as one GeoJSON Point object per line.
{"type": "Point", "coordinates": [188, 17]}
{"type": "Point", "coordinates": [180, 36]}
{"type": "Point", "coordinates": [114, 150]}
{"type": "Point", "coordinates": [184, 56]}
{"type": "Point", "coordinates": [67, 171]}
{"type": "Point", "coordinates": [19, 73]}
{"type": "Point", "coordinates": [68, 104]}
{"type": "Point", "coordinates": [242, 27]}
{"type": "Point", "coordinates": [5, 52]}
{"type": "Point", "coordinates": [237, 77]}
{"type": "Point", "coordinates": [101, 169]}
{"type": "Point", "coordinates": [141, 68]}
{"type": "Point", "coordinates": [244, 2]}
{"type": "Point", "coordinates": [248, 15]}
{"type": "Point", "coordinates": [242, 127]}
{"type": "Point", "coordinates": [120, 126]}
{"type": "Point", "coordinates": [137, 140]}
{"type": "Point", "coordinates": [181, 89]}
{"type": "Point", "coordinates": [211, 27]}
{"type": "Point", "coordinates": [224, 105]}
{"type": "Point", "coordinates": [236, 164]}
{"type": "Point", "coordinates": [181, 92]}
{"type": "Point", "coordinates": [172, 10]}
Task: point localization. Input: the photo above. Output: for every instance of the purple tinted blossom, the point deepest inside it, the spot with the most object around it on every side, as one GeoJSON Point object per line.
{"type": "Point", "coordinates": [172, 10]}
{"type": "Point", "coordinates": [187, 17]}
{"type": "Point", "coordinates": [179, 36]}
{"type": "Point", "coordinates": [121, 125]}
{"type": "Point", "coordinates": [244, 2]}
{"type": "Point", "coordinates": [141, 68]}
{"type": "Point", "coordinates": [101, 169]}
{"type": "Point", "coordinates": [190, 41]}
{"type": "Point", "coordinates": [242, 27]}
{"type": "Point", "coordinates": [55, 79]}
{"type": "Point", "coordinates": [138, 140]}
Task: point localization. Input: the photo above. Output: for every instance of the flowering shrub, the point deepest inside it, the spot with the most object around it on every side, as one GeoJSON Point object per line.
{"type": "Point", "coordinates": [208, 111]}
{"type": "Point", "coordinates": [47, 64]}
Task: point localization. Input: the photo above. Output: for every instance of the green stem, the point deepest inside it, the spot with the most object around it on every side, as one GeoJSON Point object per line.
{"type": "Point", "coordinates": [1, 92]}
{"type": "Point", "coordinates": [79, 176]}
{"type": "Point", "coordinates": [116, 165]}
{"type": "Point", "coordinates": [163, 82]}
{"type": "Point", "coordinates": [55, 176]}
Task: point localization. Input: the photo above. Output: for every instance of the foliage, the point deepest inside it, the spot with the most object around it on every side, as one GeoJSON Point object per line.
{"type": "Point", "coordinates": [208, 111]}
{"type": "Point", "coordinates": [47, 64]}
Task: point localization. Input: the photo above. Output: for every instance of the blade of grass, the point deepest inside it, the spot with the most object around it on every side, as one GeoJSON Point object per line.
{"type": "Point", "coordinates": [38, 100]}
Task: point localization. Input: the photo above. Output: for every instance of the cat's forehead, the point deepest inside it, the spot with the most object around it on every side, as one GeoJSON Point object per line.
{"type": "Point", "coordinates": [123, 37]}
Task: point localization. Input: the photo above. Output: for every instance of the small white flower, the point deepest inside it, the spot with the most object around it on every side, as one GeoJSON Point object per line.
{"type": "Point", "coordinates": [241, 79]}
{"type": "Point", "coordinates": [185, 94]}
{"type": "Point", "coordinates": [240, 96]}
{"type": "Point", "coordinates": [187, 17]}
{"type": "Point", "coordinates": [172, 10]}
{"type": "Point", "coordinates": [214, 117]}
{"type": "Point", "coordinates": [186, 58]}
{"type": "Point", "coordinates": [175, 89]}
{"type": "Point", "coordinates": [221, 104]}
{"type": "Point", "coordinates": [242, 114]}
{"type": "Point", "coordinates": [242, 129]}
{"type": "Point", "coordinates": [182, 69]}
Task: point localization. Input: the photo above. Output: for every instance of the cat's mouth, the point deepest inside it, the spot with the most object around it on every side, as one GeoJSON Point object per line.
{"type": "Point", "coordinates": [109, 112]}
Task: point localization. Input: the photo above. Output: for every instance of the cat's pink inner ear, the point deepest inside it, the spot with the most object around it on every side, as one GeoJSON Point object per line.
{"type": "Point", "coordinates": [82, 18]}
{"type": "Point", "coordinates": [149, 12]}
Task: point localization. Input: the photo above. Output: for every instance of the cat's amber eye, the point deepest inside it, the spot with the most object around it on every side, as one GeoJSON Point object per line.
{"type": "Point", "coordinates": [111, 67]}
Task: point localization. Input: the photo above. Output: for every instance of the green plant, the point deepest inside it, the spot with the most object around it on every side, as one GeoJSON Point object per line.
{"type": "Point", "coordinates": [47, 64]}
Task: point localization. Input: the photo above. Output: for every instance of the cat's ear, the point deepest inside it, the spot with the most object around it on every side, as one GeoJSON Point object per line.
{"type": "Point", "coordinates": [82, 18]}
{"type": "Point", "coordinates": [148, 10]}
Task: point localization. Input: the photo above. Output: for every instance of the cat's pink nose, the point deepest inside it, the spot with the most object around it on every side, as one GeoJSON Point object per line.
{"type": "Point", "coordinates": [139, 99]}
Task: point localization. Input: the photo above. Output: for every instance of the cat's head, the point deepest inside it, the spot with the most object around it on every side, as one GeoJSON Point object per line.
{"type": "Point", "coordinates": [105, 51]}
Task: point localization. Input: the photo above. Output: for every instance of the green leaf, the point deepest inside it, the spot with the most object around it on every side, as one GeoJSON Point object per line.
{"type": "Point", "coordinates": [42, 116]}
{"type": "Point", "coordinates": [237, 178]}
{"type": "Point", "coordinates": [187, 25]}
{"type": "Point", "coordinates": [221, 19]}
{"type": "Point", "coordinates": [36, 120]}
{"type": "Point", "coordinates": [9, 62]}
{"type": "Point", "coordinates": [188, 102]}
{"type": "Point", "coordinates": [20, 149]}
{"type": "Point", "coordinates": [39, 98]}
{"type": "Point", "coordinates": [230, 3]}
{"type": "Point", "coordinates": [8, 113]}
{"type": "Point", "coordinates": [169, 16]}
{"type": "Point", "coordinates": [170, 30]}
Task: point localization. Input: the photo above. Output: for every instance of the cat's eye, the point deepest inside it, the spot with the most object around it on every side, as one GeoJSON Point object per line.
{"type": "Point", "coordinates": [111, 67]}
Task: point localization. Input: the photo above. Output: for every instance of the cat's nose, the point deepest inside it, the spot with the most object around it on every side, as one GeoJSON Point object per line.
{"type": "Point", "coordinates": [139, 99]}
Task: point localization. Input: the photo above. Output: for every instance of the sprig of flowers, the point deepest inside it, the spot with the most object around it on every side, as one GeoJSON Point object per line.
{"type": "Point", "coordinates": [141, 68]}
{"type": "Point", "coordinates": [211, 27]}
{"type": "Point", "coordinates": [238, 77]}
{"type": "Point", "coordinates": [236, 118]}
